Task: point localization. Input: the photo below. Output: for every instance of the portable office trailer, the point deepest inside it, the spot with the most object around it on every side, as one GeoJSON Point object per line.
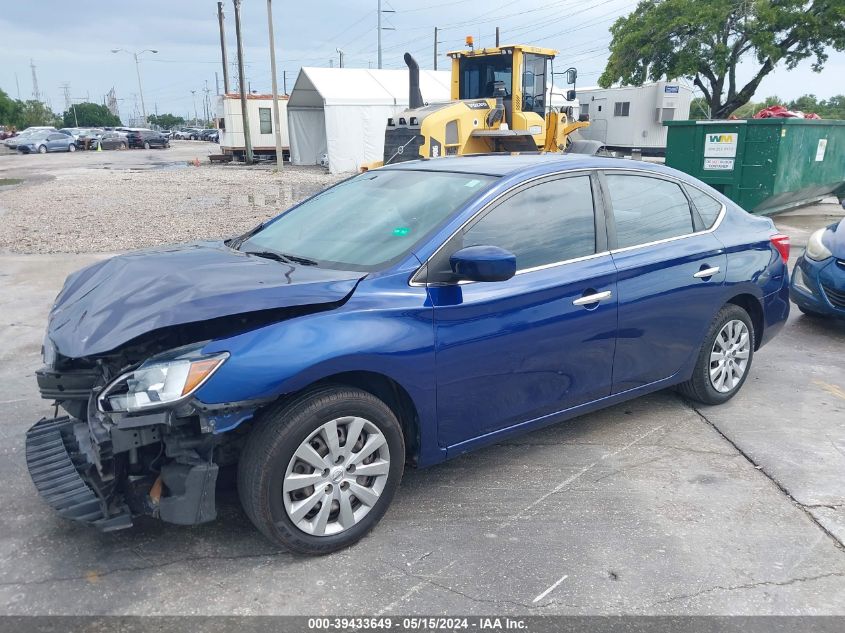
{"type": "Point", "coordinates": [261, 132]}
{"type": "Point", "coordinates": [631, 117]}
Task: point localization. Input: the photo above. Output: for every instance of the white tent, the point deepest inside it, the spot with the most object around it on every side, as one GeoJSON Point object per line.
{"type": "Point", "coordinates": [343, 112]}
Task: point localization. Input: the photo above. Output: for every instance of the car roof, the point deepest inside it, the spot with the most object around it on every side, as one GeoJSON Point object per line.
{"type": "Point", "coordinates": [512, 164]}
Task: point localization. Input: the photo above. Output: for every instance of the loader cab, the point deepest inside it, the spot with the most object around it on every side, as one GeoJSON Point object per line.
{"type": "Point", "coordinates": [524, 71]}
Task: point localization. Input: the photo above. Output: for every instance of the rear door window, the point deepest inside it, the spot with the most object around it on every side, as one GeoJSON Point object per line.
{"type": "Point", "coordinates": [647, 209]}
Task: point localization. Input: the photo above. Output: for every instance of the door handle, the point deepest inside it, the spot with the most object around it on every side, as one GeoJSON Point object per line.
{"type": "Point", "coordinates": [707, 272]}
{"type": "Point", "coordinates": [599, 296]}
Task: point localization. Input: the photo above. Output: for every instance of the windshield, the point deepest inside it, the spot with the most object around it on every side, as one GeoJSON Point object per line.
{"type": "Point", "coordinates": [367, 222]}
{"type": "Point", "coordinates": [480, 74]}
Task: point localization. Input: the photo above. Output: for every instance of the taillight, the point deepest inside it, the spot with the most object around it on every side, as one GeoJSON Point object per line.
{"type": "Point", "coordinates": [781, 243]}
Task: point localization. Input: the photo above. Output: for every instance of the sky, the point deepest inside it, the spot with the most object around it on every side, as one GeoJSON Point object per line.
{"type": "Point", "coordinates": [70, 42]}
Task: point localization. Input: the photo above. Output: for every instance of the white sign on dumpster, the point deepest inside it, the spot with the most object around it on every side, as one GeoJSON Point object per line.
{"type": "Point", "coordinates": [820, 149]}
{"type": "Point", "coordinates": [720, 144]}
{"type": "Point", "coordinates": [718, 164]}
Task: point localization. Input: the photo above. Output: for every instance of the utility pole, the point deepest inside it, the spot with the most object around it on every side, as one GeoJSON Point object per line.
{"type": "Point", "coordinates": [223, 49]}
{"type": "Point", "coordinates": [285, 81]}
{"type": "Point", "coordinates": [497, 37]}
{"type": "Point", "coordinates": [194, 96]}
{"type": "Point", "coordinates": [35, 93]}
{"type": "Point", "coordinates": [381, 28]}
{"type": "Point", "coordinates": [435, 48]}
{"type": "Point", "coordinates": [340, 57]}
{"type": "Point", "coordinates": [216, 83]}
{"type": "Point", "coordinates": [241, 81]}
{"type": "Point", "coordinates": [280, 159]}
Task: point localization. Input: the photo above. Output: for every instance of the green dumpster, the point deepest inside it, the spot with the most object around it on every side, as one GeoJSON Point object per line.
{"type": "Point", "coordinates": [764, 165]}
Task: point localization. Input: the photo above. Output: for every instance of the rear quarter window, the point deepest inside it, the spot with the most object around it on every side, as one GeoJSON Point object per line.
{"type": "Point", "coordinates": [708, 207]}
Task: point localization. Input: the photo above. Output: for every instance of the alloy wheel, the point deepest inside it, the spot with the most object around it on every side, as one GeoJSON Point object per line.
{"type": "Point", "coordinates": [729, 356]}
{"type": "Point", "coordinates": [336, 476]}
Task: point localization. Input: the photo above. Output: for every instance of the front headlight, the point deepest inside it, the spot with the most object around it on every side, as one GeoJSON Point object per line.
{"type": "Point", "coordinates": [816, 250]}
{"type": "Point", "coordinates": [48, 352]}
{"type": "Point", "coordinates": [159, 382]}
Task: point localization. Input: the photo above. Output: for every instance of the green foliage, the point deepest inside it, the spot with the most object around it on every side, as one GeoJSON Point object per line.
{"type": "Point", "coordinates": [165, 121]}
{"type": "Point", "coordinates": [89, 115]}
{"type": "Point", "coordinates": [833, 108]}
{"type": "Point", "coordinates": [705, 42]}
{"type": "Point", "coordinates": [22, 114]}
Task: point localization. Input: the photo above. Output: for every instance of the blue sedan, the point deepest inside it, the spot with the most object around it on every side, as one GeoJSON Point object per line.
{"type": "Point", "coordinates": [818, 280]}
{"type": "Point", "coordinates": [402, 317]}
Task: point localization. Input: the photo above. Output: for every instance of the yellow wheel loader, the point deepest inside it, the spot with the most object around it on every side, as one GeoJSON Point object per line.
{"type": "Point", "coordinates": [502, 101]}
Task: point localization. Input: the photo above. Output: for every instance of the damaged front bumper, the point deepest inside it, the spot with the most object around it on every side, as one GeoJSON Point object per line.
{"type": "Point", "coordinates": [106, 469]}
{"type": "Point", "coordinates": [87, 480]}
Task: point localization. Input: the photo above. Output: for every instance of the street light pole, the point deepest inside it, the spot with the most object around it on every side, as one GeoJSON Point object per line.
{"type": "Point", "coordinates": [138, 72]}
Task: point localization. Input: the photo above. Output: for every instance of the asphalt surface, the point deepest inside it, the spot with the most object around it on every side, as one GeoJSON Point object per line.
{"type": "Point", "coordinates": [655, 506]}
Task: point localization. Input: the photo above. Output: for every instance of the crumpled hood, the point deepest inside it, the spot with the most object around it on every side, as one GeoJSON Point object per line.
{"type": "Point", "coordinates": [114, 301]}
{"type": "Point", "coordinates": [834, 239]}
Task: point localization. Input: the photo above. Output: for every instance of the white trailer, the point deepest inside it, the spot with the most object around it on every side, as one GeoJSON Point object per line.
{"type": "Point", "coordinates": [626, 118]}
{"type": "Point", "coordinates": [261, 132]}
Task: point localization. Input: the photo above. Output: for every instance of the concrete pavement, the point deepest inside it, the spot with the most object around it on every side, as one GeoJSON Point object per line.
{"type": "Point", "coordinates": [651, 507]}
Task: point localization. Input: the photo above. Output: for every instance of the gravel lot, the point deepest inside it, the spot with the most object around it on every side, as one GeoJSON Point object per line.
{"type": "Point", "coordinates": [115, 201]}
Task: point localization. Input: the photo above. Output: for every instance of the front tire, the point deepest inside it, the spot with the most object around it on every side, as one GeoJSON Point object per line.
{"type": "Point", "coordinates": [146, 145]}
{"type": "Point", "coordinates": [71, 148]}
{"type": "Point", "coordinates": [724, 359]}
{"type": "Point", "coordinates": [319, 472]}
{"type": "Point", "coordinates": [123, 146]}
{"type": "Point", "coordinates": [42, 149]}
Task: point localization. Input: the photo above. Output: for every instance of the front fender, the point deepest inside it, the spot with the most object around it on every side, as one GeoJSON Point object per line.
{"type": "Point", "coordinates": [385, 332]}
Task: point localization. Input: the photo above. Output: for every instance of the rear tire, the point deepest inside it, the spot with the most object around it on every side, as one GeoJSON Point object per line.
{"type": "Point", "coordinates": [722, 356]}
{"type": "Point", "coordinates": [123, 146]}
{"type": "Point", "coordinates": [146, 145]}
{"type": "Point", "coordinates": [71, 148]}
{"type": "Point", "coordinates": [270, 464]}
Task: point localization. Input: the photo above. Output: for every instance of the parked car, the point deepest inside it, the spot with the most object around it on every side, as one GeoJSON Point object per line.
{"type": "Point", "coordinates": [208, 135]}
{"type": "Point", "coordinates": [818, 279]}
{"type": "Point", "coordinates": [188, 133]}
{"type": "Point", "coordinates": [89, 138]}
{"type": "Point", "coordinates": [47, 142]}
{"type": "Point", "coordinates": [404, 316]}
{"type": "Point", "coordinates": [12, 142]}
{"type": "Point", "coordinates": [72, 131]}
{"type": "Point", "coordinates": [146, 139]}
{"type": "Point", "coordinates": [113, 140]}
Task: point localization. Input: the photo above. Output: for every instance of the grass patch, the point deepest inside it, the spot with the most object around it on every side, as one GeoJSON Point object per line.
{"type": "Point", "coordinates": [10, 181]}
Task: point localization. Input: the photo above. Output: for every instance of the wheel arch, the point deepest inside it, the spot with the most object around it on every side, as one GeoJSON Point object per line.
{"type": "Point", "coordinates": [386, 389]}
{"type": "Point", "coordinates": [752, 306]}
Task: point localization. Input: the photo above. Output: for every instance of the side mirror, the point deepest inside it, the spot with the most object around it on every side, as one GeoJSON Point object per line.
{"type": "Point", "coordinates": [571, 76]}
{"type": "Point", "coordinates": [483, 263]}
{"type": "Point", "coordinates": [570, 95]}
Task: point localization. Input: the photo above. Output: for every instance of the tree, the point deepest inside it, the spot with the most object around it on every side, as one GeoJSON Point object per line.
{"type": "Point", "coordinates": [36, 113]}
{"type": "Point", "coordinates": [10, 110]}
{"type": "Point", "coordinates": [705, 42]}
{"type": "Point", "coordinates": [89, 115]}
{"type": "Point", "coordinates": [166, 121]}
